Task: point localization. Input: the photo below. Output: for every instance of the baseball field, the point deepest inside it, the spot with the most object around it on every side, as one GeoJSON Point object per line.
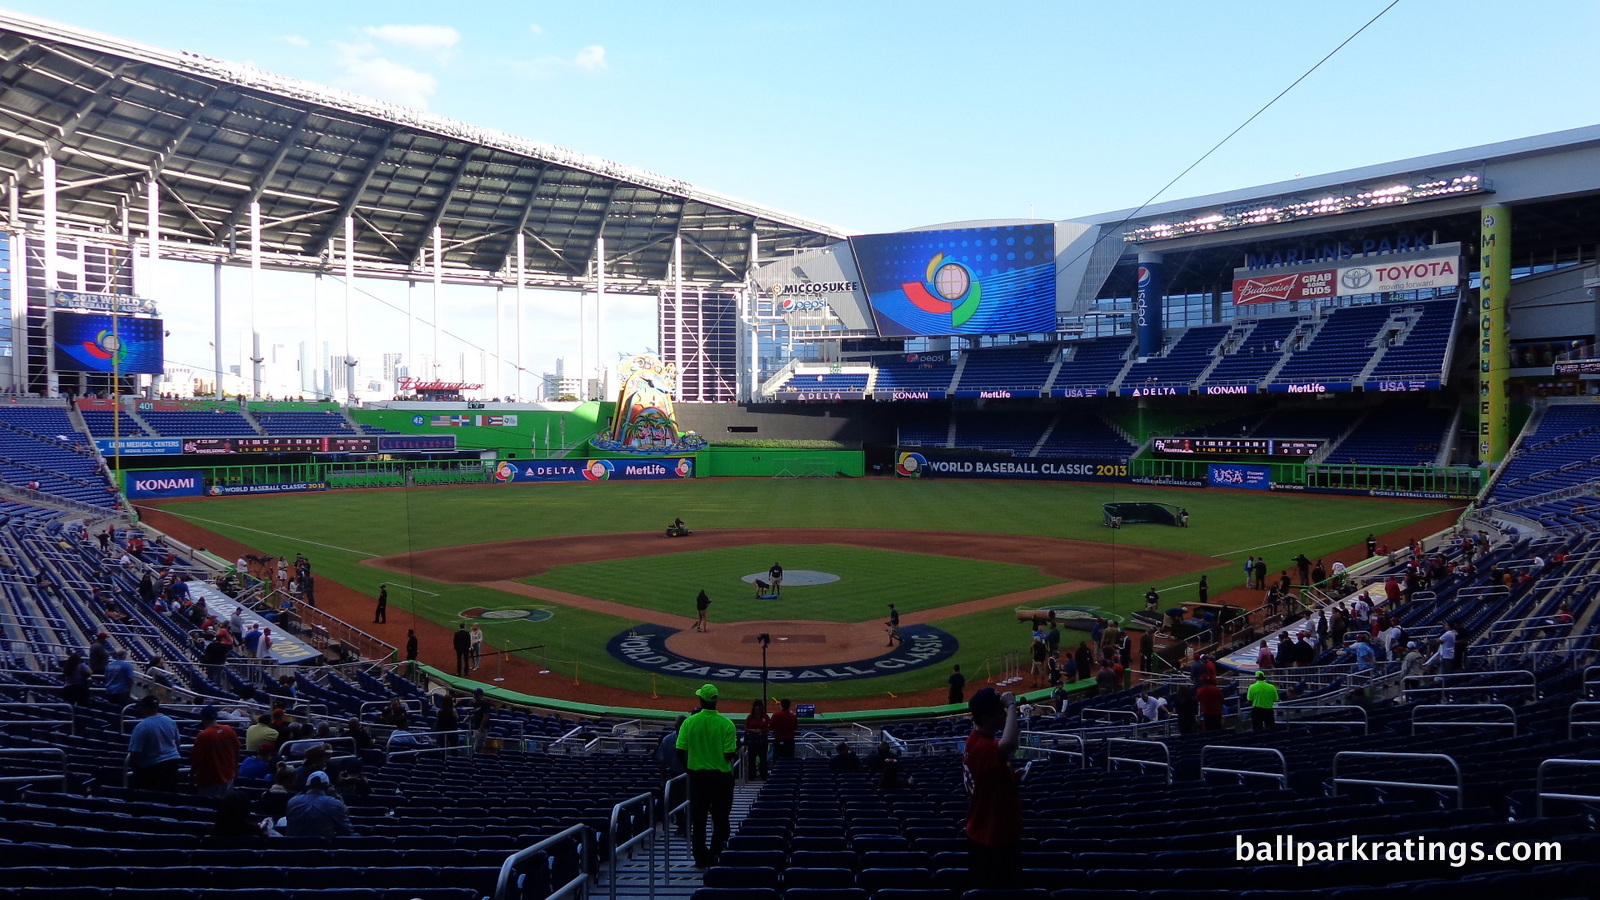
{"type": "Point", "coordinates": [582, 573]}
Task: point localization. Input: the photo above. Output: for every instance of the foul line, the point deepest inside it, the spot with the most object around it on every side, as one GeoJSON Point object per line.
{"type": "Point", "coordinates": [1311, 537]}
{"type": "Point", "coordinates": [189, 518]}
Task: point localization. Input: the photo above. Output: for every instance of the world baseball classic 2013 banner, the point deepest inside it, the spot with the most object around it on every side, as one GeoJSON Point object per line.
{"type": "Point", "coordinates": [644, 646]}
{"type": "Point", "coordinates": [910, 464]}
{"type": "Point", "coordinates": [647, 469]}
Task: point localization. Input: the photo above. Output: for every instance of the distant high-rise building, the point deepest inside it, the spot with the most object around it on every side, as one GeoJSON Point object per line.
{"type": "Point", "coordinates": [701, 335]}
{"type": "Point", "coordinates": [393, 364]}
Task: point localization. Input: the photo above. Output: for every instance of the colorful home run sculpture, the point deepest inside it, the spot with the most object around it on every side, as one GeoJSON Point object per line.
{"type": "Point", "coordinates": [644, 422]}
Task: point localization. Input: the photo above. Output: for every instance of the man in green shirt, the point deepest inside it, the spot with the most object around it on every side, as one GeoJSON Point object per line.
{"type": "Point", "coordinates": [1263, 696]}
{"type": "Point", "coordinates": [707, 742]}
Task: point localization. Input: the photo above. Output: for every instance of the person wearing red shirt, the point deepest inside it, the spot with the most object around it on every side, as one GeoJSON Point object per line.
{"type": "Point", "coordinates": [783, 725]}
{"type": "Point", "coordinates": [994, 803]}
{"type": "Point", "coordinates": [757, 727]}
{"type": "Point", "coordinates": [1209, 697]}
{"type": "Point", "coordinates": [214, 760]}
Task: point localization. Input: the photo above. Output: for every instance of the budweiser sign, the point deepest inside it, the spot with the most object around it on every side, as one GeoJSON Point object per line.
{"type": "Point", "coordinates": [1400, 272]}
{"type": "Point", "coordinates": [408, 383]}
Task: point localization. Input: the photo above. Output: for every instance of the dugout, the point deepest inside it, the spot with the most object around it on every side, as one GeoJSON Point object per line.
{"type": "Point", "coordinates": [1120, 514]}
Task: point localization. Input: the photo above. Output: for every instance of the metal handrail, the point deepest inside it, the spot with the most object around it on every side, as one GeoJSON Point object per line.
{"type": "Point", "coordinates": [1395, 755]}
{"type": "Point", "coordinates": [1581, 706]}
{"type": "Point", "coordinates": [669, 813]}
{"type": "Point", "coordinates": [1083, 747]}
{"type": "Point", "coordinates": [1166, 755]}
{"type": "Point", "coordinates": [646, 835]}
{"type": "Point", "coordinates": [1541, 794]}
{"type": "Point", "coordinates": [1082, 753]}
{"type": "Point", "coordinates": [1360, 714]}
{"type": "Point", "coordinates": [1414, 683]}
{"type": "Point", "coordinates": [1463, 723]}
{"type": "Point", "coordinates": [56, 752]}
{"type": "Point", "coordinates": [1282, 776]}
{"type": "Point", "coordinates": [70, 720]}
{"type": "Point", "coordinates": [1109, 716]}
{"type": "Point", "coordinates": [577, 887]}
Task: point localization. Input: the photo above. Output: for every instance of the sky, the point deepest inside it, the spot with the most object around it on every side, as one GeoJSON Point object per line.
{"type": "Point", "coordinates": [879, 116]}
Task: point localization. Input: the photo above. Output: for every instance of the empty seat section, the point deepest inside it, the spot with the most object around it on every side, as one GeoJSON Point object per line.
{"type": "Point", "coordinates": [1183, 362]}
{"type": "Point", "coordinates": [1008, 368]}
{"type": "Point", "coordinates": [1092, 364]}
{"type": "Point", "coordinates": [1340, 349]}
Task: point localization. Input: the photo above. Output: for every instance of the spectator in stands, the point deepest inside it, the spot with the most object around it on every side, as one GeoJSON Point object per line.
{"type": "Point", "coordinates": [236, 621]}
{"type": "Point", "coordinates": [667, 762]}
{"type": "Point", "coordinates": [994, 803]}
{"type": "Point", "coordinates": [1151, 706]}
{"type": "Point", "coordinates": [1363, 654]}
{"type": "Point", "coordinates": [260, 765]}
{"type": "Point", "coordinates": [1106, 680]}
{"type": "Point", "coordinates": [1262, 696]}
{"type": "Point", "coordinates": [394, 715]}
{"type": "Point", "coordinates": [235, 819]}
{"type": "Point", "coordinates": [844, 759]}
{"type": "Point", "coordinates": [215, 658]}
{"type": "Point", "coordinates": [153, 749]}
{"type": "Point", "coordinates": [358, 733]}
{"type": "Point", "coordinates": [958, 686]}
{"type": "Point", "coordinates": [1208, 697]}
{"type": "Point", "coordinates": [75, 676]}
{"type": "Point", "coordinates": [1187, 710]}
{"type": "Point", "coordinates": [214, 759]}
{"type": "Point", "coordinates": [1084, 660]}
{"type": "Point", "coordinates": [784, 726]}
{"type": "Point", "coordinates": [119, 680]}
{"type": "Point", "coordinates": [1264, 657]}
{"type": "Point", "coordinates": [1319, 573]}
{"type": "Point", "coordinates": [757, 727]}
{"type": "Point", "coordinates": [707, 742]}
{"type": "Point", "coordinates": [482, 718]}
{"type": "Point", "coordinates": [99, 653]}
{"type": "Point", "coordinates": [463, 647]}
{"type": "Point", "coordinates": [317, 813]}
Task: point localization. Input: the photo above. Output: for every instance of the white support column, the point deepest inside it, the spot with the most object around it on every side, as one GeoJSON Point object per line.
{"type": "Point", "coordinates": [216, 325]}
{"type": "Point", "coordinates": [255, 287]}
{"type": "Point", "coordinates": [316, 337]}
{"type": "Point", "coordinates": [499, 361]}
{"type": "Point", "coordinates": [750, 298]}
{"type": "Point", "coordinates": [521, 260]}
{"type": "Point", "coordinates": [599, 315]}
{"type": "Point", "coordinates": [52, 273]}
{"type": "Point", "coordinates": [349, 296]}
{"type": "Point", "coordinates": [677, 303]}
{"type": "Point", "coordinates": [152, 219]}
{"type": "Point", "coordinates": [438, 282]}
{"type": "Point", "coordinates": [412, 369]}
{"type": "Point", "coordinates": [583, 330]}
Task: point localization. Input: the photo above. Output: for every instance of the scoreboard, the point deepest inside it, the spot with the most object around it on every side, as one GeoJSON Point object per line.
{"type": "Point", "coordinates": [1251, 446]}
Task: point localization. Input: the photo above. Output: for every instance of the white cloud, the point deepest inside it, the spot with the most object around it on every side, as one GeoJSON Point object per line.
{"type": "Point", "coordinates": [383, 79]}
{"type": "Point", "coordinates": [591, 58]}
{"type": "Point", "coordinates": [295, 40]}
{"type": "Point", "coordinates": [437, 39]}
{"type": "Point", "coordinates": [535, 29]}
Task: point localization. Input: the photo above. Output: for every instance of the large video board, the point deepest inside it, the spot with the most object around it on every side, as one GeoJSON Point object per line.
{"type": "Point", "coordinates": [91, 342]}
{"type": "Point", "coordinates": [997, 280]}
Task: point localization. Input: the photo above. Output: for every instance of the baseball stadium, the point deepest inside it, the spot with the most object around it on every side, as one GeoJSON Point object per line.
{"type": "Point", "coordinates": [1264, 521]}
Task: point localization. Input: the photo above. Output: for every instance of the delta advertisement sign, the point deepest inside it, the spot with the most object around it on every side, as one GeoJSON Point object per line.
{"type": "Point", "coordinates": [545, 470]}
{"type": "Point", "coordinates": [1436, 267]}
{"type": "Point", "coordinates": [909, 464]}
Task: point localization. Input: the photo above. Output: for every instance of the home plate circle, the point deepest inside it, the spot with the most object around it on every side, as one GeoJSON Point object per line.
{"type": "Point", "coordinates": [796, 578]}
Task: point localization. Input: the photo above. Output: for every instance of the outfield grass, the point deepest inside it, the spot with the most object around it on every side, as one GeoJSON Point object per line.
{"type": "Point", "coordinates": [338, 530]}
{"type": "Point", "coordinates": [869, 580]}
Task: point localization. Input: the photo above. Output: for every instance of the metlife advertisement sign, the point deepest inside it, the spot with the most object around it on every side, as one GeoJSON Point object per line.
{"type": "Point", "coordinates": [544, 470]}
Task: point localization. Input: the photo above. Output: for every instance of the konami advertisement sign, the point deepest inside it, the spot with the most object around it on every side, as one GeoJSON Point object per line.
{"type": "Point", "coordinates": [1437, 267]}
